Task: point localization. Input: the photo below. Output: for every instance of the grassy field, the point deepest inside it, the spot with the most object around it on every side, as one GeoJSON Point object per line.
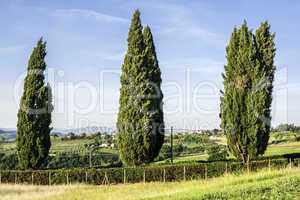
{"type": "Point", "coordinates": [283, 148]}
{"type": "Point", "coordinates": [57, 145]}
{"type": "Point", "coordinates": [287, 146]}
{"type": "Point", "coordinates": [282, 184]}
{"type": "Point", "coordinates": [273, 150]}
{"type": "Point", "coordinates": [60, 146]}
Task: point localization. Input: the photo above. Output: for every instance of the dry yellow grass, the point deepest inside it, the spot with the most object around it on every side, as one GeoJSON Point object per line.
{"type": "Point", "coordinates": [30, 192]}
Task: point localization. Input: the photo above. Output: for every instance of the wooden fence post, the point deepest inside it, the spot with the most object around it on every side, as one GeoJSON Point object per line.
{"type": "Point", "coordinates": [49, 178]}
{"type": "Point", "coordinates": [32, 181]}
{"type": "Point", "coordinates": [248, 167]}
{"type": "Point", "coordinates": [206, 171]}
{"type": "Point", "coordinates": [86, 177]}
{"type": "Point", "coordinates": [226, 168]}
{"type": "Point", "coordinates": [67, 178]}
{"type": "Point", "coordinates": [16, 177]}
{"type": "Point", "coordinates": [124, 174]}
{"type": "Point", "coordinates": [184, 173]}
{"type": "Point", "coordinates": [269, 165]}
{"type": "Point", "coordinates": [290, 163]}
{"type": "Point", "coordinates": [105, 179]}
{"type": "Point", "coordinates": [144, 176]}
{"type": "Point", "coordinates": [0, 178]}
{"type": "Point", "coordinates": [164, 175]}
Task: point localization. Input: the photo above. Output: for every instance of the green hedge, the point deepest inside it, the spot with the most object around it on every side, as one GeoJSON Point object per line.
{"type": "Point", "coordinates": [138, 174]}
{"type": "Point", "coordinates": [64, 160]}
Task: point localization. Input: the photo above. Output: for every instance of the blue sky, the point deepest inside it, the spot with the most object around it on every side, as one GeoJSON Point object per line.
{"type": "Point", "coordinates": [87, 40]}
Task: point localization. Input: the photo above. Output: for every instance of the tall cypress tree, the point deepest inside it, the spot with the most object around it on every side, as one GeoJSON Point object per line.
{"type": "Point", "coordinates": [34, 116]}
{"type": "Point", "coordinates": [236, 91]}
{"type": "Point", "coordinates": [154, 93]}
{"type": "Point", "coordinates": [246, 101]}
{"type": "Point", "coordinates": [140, 115]}
{"type": "Point", "coordinates": [265, 69]}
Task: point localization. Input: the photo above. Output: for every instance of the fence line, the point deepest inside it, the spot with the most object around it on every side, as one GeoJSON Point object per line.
{"type": "Point", "coordinates": [139, 174]}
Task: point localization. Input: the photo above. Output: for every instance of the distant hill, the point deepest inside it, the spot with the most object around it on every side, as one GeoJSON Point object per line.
{"type": "Point", "coordinates": [10, 134]}
{"type": "Point", "coordinates": [88, 130]}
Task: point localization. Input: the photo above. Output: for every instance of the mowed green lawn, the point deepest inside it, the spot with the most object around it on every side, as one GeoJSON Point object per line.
{"type": "Point", "coordinates": [282, 184]}
{"type": "Point", "coordinates": [283, 148]}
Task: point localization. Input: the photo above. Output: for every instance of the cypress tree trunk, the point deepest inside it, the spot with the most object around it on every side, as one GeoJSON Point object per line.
{"type": "Point", "coordinates": [246, 100]}
{"type": "Point", "coordinates": [34, 116]}
{"type": "Point", "coordinates": [140, 115]}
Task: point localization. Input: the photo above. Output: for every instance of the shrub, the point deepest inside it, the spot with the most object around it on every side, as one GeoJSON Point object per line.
{"type": "Point", "coordinates": [217, 152]}
{"type": "Point", "coordinates": [8, 161]}
{"type": "Point", "coordinates": [196, 138]}
{"type": "Point", "coordinates": [76, 160]}
{"type": "Point", "coordinates": [166, 152]}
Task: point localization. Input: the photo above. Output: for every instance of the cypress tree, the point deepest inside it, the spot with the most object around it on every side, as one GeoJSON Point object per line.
{"type": "Point", "coordinates": [34, 116]}
{"type": "Point", "coordinates": [265, 69]}
{"type": "Point", "coordinates": [140, 115]}
{"type": "Point", "coordinates": [246, 100]}
{"type": "Point", "coordinates": [155, 96]}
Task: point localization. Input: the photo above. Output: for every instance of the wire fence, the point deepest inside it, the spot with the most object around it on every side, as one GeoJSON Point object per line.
{"type": "Point", "coordinates": [140, 174]}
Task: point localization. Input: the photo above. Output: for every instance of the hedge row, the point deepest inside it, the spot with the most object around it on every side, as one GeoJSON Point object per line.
{"type": "Point", "coordinates": [64, 160]}
{"type": "Point", "coordinates": [138, 174]}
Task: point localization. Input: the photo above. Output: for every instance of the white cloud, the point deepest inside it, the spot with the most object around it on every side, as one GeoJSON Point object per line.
{"type": "Point", "coordinates": [193, 31]}
{"type": "Point", "coordinates": [179, 21]}
{"type": "Point", "coordinates": [91, 14]}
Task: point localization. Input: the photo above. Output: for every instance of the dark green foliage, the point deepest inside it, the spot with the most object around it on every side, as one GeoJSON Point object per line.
{"type": "Point", "coordinates": [247, 97]}
{"type": "Point", "coordinates": [76, 160]}
{"type": "Point", "coordinates": [8, 161]}
{"type": "Point", "coordinates": [102, 138]}
{"type": "Point", "coordinates": [64, 161]}
{"type": "Point", "coordinates": [264, 77]}
{"type": "Point", "coordinates": [217, 153]}
{"type": "Point", "coordinates": [166, 151]}
{"type": "Point", "coordinates": [196, 138]}
{"type": "Point", "coordinates": [154, 97]}
{"type": "Point", "coordinates": [140, 118]}
{"type": "Point", "coordinates": [34, 116]}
